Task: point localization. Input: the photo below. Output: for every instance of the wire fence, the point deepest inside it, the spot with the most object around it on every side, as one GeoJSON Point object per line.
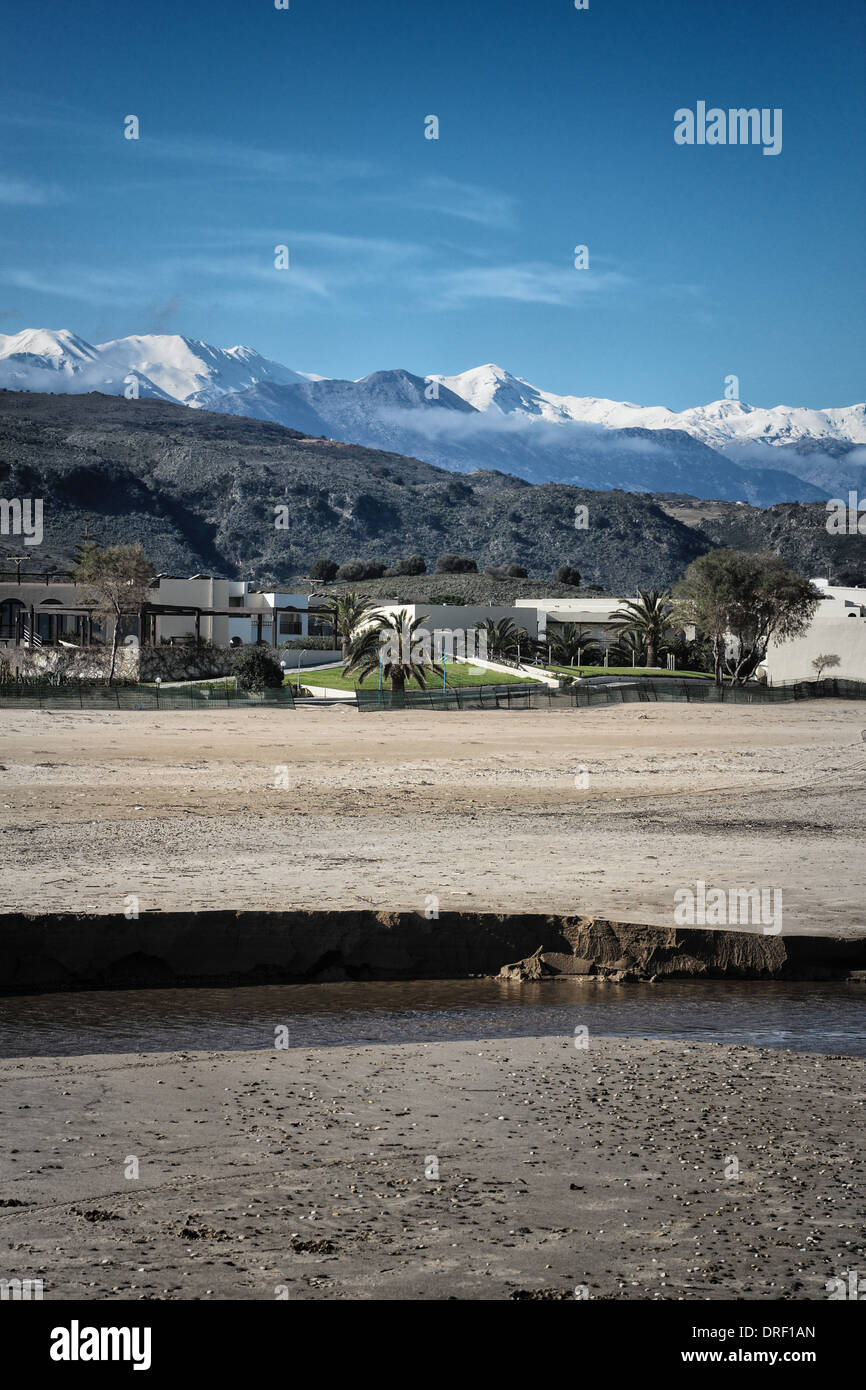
{"type": "Point", "coordinates": [621, 691]}
{"type": "Point", "coordinates": [81, 695]}
{"type": "Point", "coordinates": [490, 696]}
{"type": "Point", "coordinates": [73, 695]}
{"type": "Point", "coordinates": [624, 692]}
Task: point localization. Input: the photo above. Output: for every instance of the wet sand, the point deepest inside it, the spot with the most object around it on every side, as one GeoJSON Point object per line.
{"type": "Point", "coordinates": [484, 810]}
{"type": "Point", "coordinates": [309, 1172]}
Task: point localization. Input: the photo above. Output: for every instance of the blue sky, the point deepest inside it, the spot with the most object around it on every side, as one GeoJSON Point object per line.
{"type": "Point", "coordinates": [305, 127]}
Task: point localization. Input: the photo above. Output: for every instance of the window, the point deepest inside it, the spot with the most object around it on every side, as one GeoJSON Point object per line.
{"type": "Point", "coordinates": [290, 624]}
{"type": "Point", "coordinates": [9, 611]}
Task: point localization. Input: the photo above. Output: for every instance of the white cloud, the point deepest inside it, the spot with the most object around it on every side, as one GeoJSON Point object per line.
{"type": "Point", "coordinates": [470, 202]}
{"type": "Point", "coordinates": [18, 193]}
{"type": "Point", "coordinates": [528, 283]}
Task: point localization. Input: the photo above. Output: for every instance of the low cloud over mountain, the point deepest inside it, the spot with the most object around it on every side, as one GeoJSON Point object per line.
{"type": "Point", "coordinates": [482, 418]}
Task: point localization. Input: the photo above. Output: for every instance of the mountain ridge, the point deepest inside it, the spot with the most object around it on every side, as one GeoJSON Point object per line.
{"type": "Point", "coordinates": [200, 489]}
{"type": "Point", "coordinates": [483, 417]}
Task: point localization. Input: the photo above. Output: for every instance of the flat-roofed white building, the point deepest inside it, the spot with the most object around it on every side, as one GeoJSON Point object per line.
{"type": "Point", "coordinates": [593, 614]}
{"type": "Point", "coordinates": [46, 610]}
{"type": "Point", "coordinates": [230, 612]}
{"type": "Point", "coordinates": [444, 617]}
{"type": "Point", "coordinates": [838, 629]}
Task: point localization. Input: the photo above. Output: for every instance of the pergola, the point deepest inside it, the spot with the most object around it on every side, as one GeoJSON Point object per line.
{"type": "Point", "coordinates": [21, 625]}
{"type": "Point", "coordinates": [24, 622]}
{"type": "Point", "coordinates": [151, 611]}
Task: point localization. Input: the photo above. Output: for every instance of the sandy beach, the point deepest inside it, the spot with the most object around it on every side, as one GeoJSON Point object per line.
{"type": "Point", "coordinates": [313, 1174]}
{"type": "Point", "coordinates": [601, 812]}
{"type": "Point", "coordinates": [517, 1168]}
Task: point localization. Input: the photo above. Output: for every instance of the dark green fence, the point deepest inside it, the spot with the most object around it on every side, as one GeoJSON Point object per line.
{"type": "Point", "coordinates": [81, 695]}
{"type": "Point", "coordinates": [707, 692]}
{"type": "Point", "coordinates": [525, 695]}
{"type": "Point", "coordinates": [622, 692]}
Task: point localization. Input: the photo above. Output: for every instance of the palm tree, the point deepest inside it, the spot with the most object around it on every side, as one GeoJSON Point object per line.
{"type": "Point", "coordinates": [824, 662]}
{"type": "Point", "coordinates": [571, 643]}
{"type": "Point", "coordinates": [504, 638]}
{"type": "Point", "coordinates": [648, 616]}
{"type": "Point", "coordinates": [627, 650]}
{"type": "Point", "coordinates": [401, 648]}
{"type": "Point", "coordinates": [346, 614]}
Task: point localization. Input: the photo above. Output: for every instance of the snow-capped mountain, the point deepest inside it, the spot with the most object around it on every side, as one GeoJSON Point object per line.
{"type": "Point", "coordinates": [397, 411]}
{"type": "Point", "coordinates": [718, 424]}
{"type": "Point", "coordinates": [191, 371]}
{"type": "Point", "coordinates": [165, 365]}
{"type": "Point", "coordinates": [59, 351]}
{"type": "Point", "coordinates": [481, 418]}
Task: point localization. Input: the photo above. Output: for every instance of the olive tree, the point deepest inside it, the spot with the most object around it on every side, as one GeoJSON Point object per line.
{"type": "Point", "coordinates": [114, 582]}
{"type": "Point", "coordinates": [742, 601]}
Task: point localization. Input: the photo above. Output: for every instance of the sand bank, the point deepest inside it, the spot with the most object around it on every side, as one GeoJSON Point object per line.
{"type": "Point", "coordinates": [48, 953]}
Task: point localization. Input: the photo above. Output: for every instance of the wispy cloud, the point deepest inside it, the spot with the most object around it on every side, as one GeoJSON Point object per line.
{"type": "Point", "coordinates": [82, 283]}
{"type": "Point", "coordinates": [517, 429]}
{"type": "Point", "coordinates": [351, 246]}
{"type": "Point", "coordinates": [235, 159]}
{"type": "Point", "coordinates": [19, 193]}
{"type": "Point", "coordinates": [470, 202]}
{"type": "Point", "coordinates": [335, 246]}
{"type": "Point", "coordinates": [323, 266]}
{"type": "Point", "coordinates": [524, 282]}
{"type": "Point", "coordinates": [216, 158]}
{"type": "Point", "coordinates": [191, 275]}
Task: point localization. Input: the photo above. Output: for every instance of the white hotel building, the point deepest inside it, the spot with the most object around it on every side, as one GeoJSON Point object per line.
{"type": "Point", "coordinates": [39, 610]}
{"type": "Point", "coordinates": [838, 629]}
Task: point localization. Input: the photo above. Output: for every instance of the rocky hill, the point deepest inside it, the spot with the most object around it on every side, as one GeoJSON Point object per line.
{"type": "Point", "coordinates": [199, 490]}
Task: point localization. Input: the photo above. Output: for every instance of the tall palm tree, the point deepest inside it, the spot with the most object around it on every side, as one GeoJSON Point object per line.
{"type": "Point", "coordinates": [346, 614]}
{"type": "Point", "coordinates": [399, 645]}
{"type": "Point", "coordinates": [648, 616]}
{"type": "Point", "coordinates": [571, 642]}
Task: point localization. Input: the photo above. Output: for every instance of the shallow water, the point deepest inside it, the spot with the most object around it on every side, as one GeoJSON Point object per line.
{"type": "Point", "coordinates": [808, 1017]}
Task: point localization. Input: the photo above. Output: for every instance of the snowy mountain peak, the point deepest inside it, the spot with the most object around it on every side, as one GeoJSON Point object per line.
{"type": "Point", "coordinates": [58, 347]}
{"type": "Point", "coordinates": [490, 387]}
{"type": "Point", "coordinates": [721, 423]}
{"type": "Point", "coordinates": [393, 409]}
{"type": "Point", "coordinates": [166, 365]}
{"type": "Point", "coordinates": [189, 370]}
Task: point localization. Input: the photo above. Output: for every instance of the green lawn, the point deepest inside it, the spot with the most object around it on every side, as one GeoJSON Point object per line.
{"type": "Point", "coordinates": [623, 671]}
{"type": "Point", "coordinates": [459, 673]}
